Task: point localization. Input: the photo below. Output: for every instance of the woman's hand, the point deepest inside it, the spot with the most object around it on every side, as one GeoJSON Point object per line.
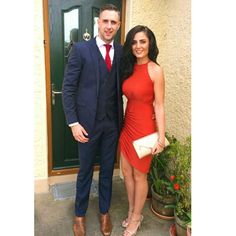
{"type": "Point", "coordinates": [159, 147]}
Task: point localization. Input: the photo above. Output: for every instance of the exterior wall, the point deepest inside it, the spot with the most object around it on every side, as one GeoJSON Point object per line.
{"type": "Point", "coordinates": [40, 125]}
{"type": "Point", "coordinates": [171, 23]}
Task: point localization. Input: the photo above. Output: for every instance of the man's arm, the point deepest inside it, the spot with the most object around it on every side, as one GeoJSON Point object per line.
{"type": "Point", "coordinates": [70, 85]}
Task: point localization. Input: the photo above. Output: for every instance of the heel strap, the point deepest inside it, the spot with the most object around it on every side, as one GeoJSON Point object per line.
{"type": "Point", "coordinates": [140, 219]}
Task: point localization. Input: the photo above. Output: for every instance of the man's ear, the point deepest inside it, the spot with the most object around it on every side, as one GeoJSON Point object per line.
{"type": "Point", "coordinates": [119, 23]}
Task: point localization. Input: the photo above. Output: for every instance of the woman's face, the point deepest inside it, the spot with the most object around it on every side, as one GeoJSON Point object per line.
{"type": "Point", "coordinates": [140, 45]}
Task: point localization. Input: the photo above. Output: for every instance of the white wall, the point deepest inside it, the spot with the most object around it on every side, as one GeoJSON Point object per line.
{"type": "Point", "coordinates": [40, 125]}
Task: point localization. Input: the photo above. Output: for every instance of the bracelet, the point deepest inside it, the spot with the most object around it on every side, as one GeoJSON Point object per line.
{"type": "Point", "coordinates": [161, 144]}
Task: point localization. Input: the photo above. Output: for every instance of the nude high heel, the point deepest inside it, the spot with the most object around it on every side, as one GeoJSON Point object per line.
{"type": "Point", "coordinates": [125, 222]}
{"type": "Point", "coordinates": [134, 232]}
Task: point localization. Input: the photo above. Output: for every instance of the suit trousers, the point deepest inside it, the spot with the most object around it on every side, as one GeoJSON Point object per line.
{"type": "Point", "coordinates": [103, 141]}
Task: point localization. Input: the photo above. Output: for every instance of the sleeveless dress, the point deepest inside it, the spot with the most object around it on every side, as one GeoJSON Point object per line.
{"type": "Point", "coordinates": [139, 122]}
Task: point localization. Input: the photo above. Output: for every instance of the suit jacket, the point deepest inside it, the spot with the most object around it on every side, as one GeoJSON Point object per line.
{"type": "Point", "coordinates": [81, 85]}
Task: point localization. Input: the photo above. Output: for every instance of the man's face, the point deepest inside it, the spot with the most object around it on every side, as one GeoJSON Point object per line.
{"type": "Point", "coordinates": [108, 25]}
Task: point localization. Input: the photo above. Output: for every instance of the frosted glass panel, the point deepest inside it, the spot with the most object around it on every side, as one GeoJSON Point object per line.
{"type": "Point", "coordinates": [95, 26]}
{"type": "Point", "coordinates": [71, 28]}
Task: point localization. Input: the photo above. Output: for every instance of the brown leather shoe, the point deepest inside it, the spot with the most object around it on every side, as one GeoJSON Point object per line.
{"type": "Point", "coordinates": [105, 224]}
{"type": "Point", "coordinates": [79, 226]}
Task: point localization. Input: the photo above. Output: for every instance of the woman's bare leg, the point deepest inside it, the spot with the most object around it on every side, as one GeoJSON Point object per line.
{"type": "Point", "coordinates": [140, 192]}
{"type": "Point", "coordinates": [140, 195]}
{"type": "Point", "coordinates": [127, 171]}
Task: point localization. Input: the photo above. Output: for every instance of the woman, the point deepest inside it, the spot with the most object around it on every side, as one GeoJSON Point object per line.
{"type": "Point", "coordinates": [144, 88]}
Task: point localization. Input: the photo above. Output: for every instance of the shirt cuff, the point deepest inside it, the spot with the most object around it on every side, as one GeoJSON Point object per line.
{"type": "Point", "coordinates": [73, 124]}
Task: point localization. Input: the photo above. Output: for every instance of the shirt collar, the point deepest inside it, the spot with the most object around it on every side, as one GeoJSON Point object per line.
{"type": "Point", "coordinates": [100, 42]}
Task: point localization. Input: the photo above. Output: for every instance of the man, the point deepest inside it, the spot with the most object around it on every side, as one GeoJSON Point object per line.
{"type": "Point", "coordinates": [92, 103]}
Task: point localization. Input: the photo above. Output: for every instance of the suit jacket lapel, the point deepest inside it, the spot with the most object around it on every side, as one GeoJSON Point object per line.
{"type": "Point", "coordinates": [93, 49]}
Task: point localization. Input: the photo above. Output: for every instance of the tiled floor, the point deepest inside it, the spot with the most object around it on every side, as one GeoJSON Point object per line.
{"type": "Point", "coordinates": [54, 218]}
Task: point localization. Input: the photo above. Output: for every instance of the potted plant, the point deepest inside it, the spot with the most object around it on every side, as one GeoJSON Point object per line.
{"type": "Point", "coordinates": [163, 182]}
{"type": "Point", "coordinates": [183, 196]}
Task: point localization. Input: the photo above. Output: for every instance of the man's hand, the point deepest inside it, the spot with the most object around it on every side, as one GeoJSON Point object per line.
{"type": "Point", "coordinates": [79, 133]}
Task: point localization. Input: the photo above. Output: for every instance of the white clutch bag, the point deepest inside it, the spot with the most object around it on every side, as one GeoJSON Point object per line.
{"type": "Point", "coordinates": [144, 145]}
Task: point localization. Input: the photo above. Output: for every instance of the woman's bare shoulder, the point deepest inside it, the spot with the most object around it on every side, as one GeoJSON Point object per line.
{"type": "Point", "coordinates": [155, 71]}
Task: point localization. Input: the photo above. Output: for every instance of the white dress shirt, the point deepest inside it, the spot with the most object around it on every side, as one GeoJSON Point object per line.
{"type": "Point", "coordinates": [100, 43]}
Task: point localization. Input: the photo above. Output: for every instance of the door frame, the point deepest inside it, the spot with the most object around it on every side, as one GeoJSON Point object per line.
{"type": "Point", "coordinates": [46, 43]}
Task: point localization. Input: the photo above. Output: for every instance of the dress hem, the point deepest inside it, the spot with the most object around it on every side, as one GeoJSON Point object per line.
{"type": "Point", "coordinates": [135, 167]}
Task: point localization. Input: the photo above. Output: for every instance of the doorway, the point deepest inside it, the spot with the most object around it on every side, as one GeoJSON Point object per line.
{"type": "Point", "coordinates": [67, 22]}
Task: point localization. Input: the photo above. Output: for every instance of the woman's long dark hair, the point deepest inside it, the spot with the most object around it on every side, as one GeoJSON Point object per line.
{"type": "Point", "coordinates": [128, 59]}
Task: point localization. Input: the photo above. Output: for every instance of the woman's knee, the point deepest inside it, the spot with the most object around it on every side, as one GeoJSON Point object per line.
{"type": "Point", "coordinates": [139, 176]}
{"type": "Point", "coordinates": [126, 167]}
{"type": "Point", "coordinates": [127, 173]}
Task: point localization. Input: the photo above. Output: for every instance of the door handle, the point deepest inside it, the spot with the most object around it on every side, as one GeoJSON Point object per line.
{"type": "Point", "coordinates": [54, 93]}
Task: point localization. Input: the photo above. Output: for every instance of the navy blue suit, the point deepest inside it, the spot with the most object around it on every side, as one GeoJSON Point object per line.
{"type": "Point", "coordinates": [92, 96]}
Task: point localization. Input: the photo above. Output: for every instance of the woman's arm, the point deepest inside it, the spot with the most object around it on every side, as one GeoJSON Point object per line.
{"type": "Point", "coordinates": [157, 76]}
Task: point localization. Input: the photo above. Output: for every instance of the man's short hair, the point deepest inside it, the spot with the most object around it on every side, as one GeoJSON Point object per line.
{"type": "Point", "coordinates": [109, 7]}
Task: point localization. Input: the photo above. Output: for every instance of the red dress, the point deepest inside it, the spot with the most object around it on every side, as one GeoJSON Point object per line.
{"type": "Point", "coordinates": [139, 122]}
